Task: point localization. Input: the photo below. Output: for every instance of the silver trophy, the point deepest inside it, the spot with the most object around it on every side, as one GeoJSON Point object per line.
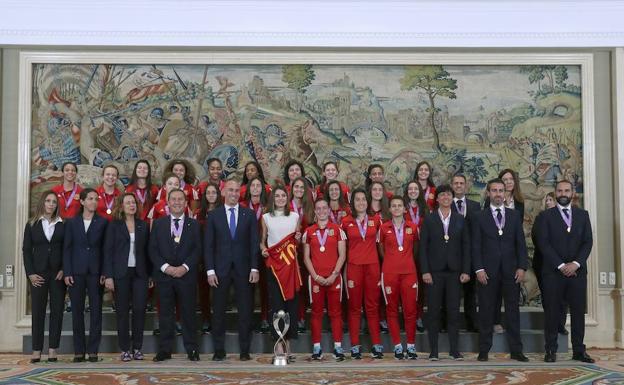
{"type": "Point", "coordinates": [281, 359]}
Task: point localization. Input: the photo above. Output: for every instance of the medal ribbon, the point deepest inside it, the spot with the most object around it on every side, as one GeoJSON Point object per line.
{"type": "Point", "coordinates": [500, 224]}
{"type": "Point", "coordinates": [176, 232]}
{"type": "Point", "coordinates": [362, 226]}
{"type": "Point", "coordinates": [566, 219]}
{"type": "Point", "coordinates": [258, 211]}
{"type": "Point", "coordinates": [141, 193]}
{"type": "Point", "coordinates": [69, 200]}
{"type": "Point", "coordinates": [322, 238]}
{"type": "Point", "coordinates": [415, 217]}
{"type": "Point", "coordinates": [398, 232]}
{"type": "Point", "coordinates": [445, 224]}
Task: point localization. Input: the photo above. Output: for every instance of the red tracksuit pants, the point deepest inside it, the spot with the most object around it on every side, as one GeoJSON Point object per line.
{"type": "Point", "coordinates": [333, 295]}
{"type": "Point", "coordinates": [403, 289]}
{"type": "Point", "coordinates": [363, 282]}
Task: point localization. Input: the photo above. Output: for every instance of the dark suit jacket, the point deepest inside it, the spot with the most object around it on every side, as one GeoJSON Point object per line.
{"type": "Point", "coordinates": [82, 252]}
{"type": "Point", "coordinates": [538, 257]}
{"type": "Point", "coordinates": [558, 246]}
{"type": "Point", "coordinates": [163, 249]}
{"type": "Point", "coordinates": [117, 248]}
{"type": "Point", "coordinates": [41, 255]}
{"type": "Point", "coordinates": [221, 252]}
{"type": "Point", "coordinates": [498, 253]}
{"type": "Point", "coordinates": [435, 254]}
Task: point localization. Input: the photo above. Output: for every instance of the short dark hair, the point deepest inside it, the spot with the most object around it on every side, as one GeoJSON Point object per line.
{"type": "Point", "coordinates": [83, 196]}
{"type": "Point", "coordinates": [459, 175]}
{"type": "Point", "coordinates": [72, 163]}
{"type": "Point", "coordinates": [442, 189]}
{"type": "Point", "coordinates": [175, 190]}
{"type": "Point", "coordinates": [566, 181]}
{"type": "Point", "coordinates": [396, 198]}
{"type": "Point", "coordinates": [494, 181]}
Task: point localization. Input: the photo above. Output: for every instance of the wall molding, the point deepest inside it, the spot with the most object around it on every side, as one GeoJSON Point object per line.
{"type": "Point", "coordinates": [314, 23]}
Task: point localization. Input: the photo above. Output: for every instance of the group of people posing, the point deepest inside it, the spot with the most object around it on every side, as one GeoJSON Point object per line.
{"type": "Point", "coordinates": [325, 248]}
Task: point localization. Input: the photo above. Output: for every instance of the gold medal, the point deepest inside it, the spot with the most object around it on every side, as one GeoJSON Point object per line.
{"type": "Point", "coordinates": [568, 229]}
{"type": "Point", "coordinates": [500, 232]}
{"type": "Point", "coordinates": [108, 211]}
{"type": "Point", "coordinates": [177, 239]}
{"type": "Point", "coordinates": [446, 237]}
{"type": "Point", "coordinates": [322, 249]}
{"type": "Point", "coordinates": [400, 248]}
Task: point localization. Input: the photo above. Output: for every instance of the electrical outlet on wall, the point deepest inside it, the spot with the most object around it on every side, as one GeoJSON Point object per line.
{"type": "Point", "coordinates": [612, 278]}
{"type": "Point", "coordinates": [9, 281]}
{"type": "Point", "coordinates": [603, 277]}
{"type": "Point", "coordinates": [1, 281]}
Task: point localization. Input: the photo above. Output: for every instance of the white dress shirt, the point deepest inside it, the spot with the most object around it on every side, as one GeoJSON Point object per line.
{"type": "Point", "coordinates": [48, 226]}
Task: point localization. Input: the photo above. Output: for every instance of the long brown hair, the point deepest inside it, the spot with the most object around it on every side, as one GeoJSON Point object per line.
{"type": "Point", "coordinates": [40, 208]}
{"type": "Point", "coordinates": [148, 179]}
{"type": "Point", "coordinates": [307, 200]}
{"type": "Point", "coordinates": [189, 170]}
{"type": "Point", "coordinates": [517, 193]}
{"type": "Point", "coordinates": [341, 200]}
{"type": "Point", "coordinates": [271, 206]}
{"type": "Point", "coordinates": [118, 212]}
{"type": "Point", "coordinates": [385, 203]}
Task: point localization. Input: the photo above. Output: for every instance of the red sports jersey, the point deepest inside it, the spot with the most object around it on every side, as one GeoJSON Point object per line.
{"type": "Point", "coordinates": [106, 202]}
{"type": "Point", "coordinates": [320, 191]}
{"type": "Point", "coordinates": [68, 209]}
{"type": "Point", "coordinates": [145, 204]}
{"type": "Point", "coordinates": [395, 261]}
{"type": "Point", "coordinates": [412, 213]}
{"type": "Point", "coordinates": [430, 197]}
{"type": "Point", "coordinates": [189, 190]}
{"type": "Point", "coordinates": [324, 262]}
{"type": "Point", "coordinates": [361, 251]}
{"type": "Point", "coordinates": [335, 216]}
{"type": "Point", "coordinates": [255, 207]}
{"type": "Point", "coordinates": [161, 209]}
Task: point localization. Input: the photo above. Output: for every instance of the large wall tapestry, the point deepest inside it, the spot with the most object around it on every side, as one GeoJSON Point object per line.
{"type": "Point", "coordinates": [472, 119]}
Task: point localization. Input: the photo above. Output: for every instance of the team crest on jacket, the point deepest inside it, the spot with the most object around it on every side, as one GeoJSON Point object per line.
{"type": "Point", "coordinates": [371, 223]}
{"type": "Point", "coordinates": [331, 232]}
{"type": "Point", "coordinates": [350, 284]}
{"type": "Point", "coordinates": [350, 225]}
{"type": "Point", "coordinates": [408, 230]}
{"type": "Point", "coordinates": [388, 290]}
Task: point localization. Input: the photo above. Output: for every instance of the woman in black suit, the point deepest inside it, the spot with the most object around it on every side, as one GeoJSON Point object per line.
{"type": "Point", "coordinates": [126, 268]}
{"type": "Point", "coordinates": [43, 259]}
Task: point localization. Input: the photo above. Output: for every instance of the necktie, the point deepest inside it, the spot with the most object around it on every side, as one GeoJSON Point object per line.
{"type": "Point", "coordinates": [499, 216]}
{"type": "Point", "coordinates": [566, 213]}
{"type": "Point", "coordinates": [176, 223]}
{"type": "Point", "coordinates": [459, 206]}
{"type": "Point", "coordinates": [232, 222]}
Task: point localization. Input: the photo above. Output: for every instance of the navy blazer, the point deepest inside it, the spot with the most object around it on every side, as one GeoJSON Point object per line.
{"type": "Point", "coordinates": [82, 251]}
{"type": "Point", "coordinates": [41, 255]}
{"type": "Point", "coordinates": [437, 255]}
{"type": "Point", "coordinates": [117, 248]}
{"type": "Point", "coordinates": [221, 252]}
{"type": "Point", "coordinates": [557, 246]}
{"type": "Point", "coordinates": [163, 249]}
{"type": "Point", "coordinates": [498, 253]}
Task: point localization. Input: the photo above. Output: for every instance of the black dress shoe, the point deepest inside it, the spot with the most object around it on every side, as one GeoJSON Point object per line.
{"type": "Point", "coordinates": [156, 332]}
{"type": "Point", "coordinates": [193, 355]}
{"type": "Point", "coordinates": [79, 359]}
{"type": "Point", "coordinates": [93, 358]}
{"type": "Point", "coordinates": [161, 356]}
{"type": "Point", "coordinates": [550, 356]}
{"type": "Point", "coordinates": [244, 357]}
{"type": "Point", "coordinates": [583, 357]}
{"type": "Point", "coordinates": [483, 356]}
{"type": "Point", "coordinates": [219, 355]}
{"type": "Point", "coordinates": [53, 359]}
{"type": "Point", "coordinates": [519, 357]}
{"type": "Point", "coordinates": [563, 331]}
{"type": "Point", "coordinates": [35, 360]}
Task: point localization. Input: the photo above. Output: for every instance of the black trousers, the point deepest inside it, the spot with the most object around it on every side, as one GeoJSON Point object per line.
{"type": "Point", "coordinates": [131, 289]}
{"type": "Point", "coordinates": [86, 285]}
{"type": "Point", "coordinates": [488, 295]}
{"type": "Point", "coordinates": [445, 290]}
{"type": "Point", "coordinates": [277, 303]}
{"type": "Point", "coordinates": [559, 290]}
{"type": "Point", "coordinates": [184, 292]}
{"type": "Point", "coordinates": [470, 302]}
{"type": "Point", "coordinates": [244, 301]}
{"type": "Point", "coordinates": [55, 290]}
{"type": "Point", "coordinates": [564, 306]}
